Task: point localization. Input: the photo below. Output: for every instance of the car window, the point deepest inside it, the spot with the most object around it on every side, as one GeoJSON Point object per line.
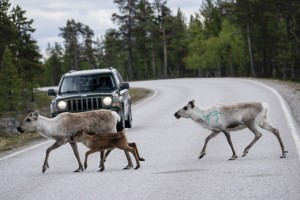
{"type": "Point", "coordinates": [91, 83]}
{"type": "Point", "coordinates": [119, 78]}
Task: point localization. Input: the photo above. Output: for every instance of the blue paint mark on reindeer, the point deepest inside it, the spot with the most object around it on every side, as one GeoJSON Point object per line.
{"type": "Point", "coordinates": [210, 115]}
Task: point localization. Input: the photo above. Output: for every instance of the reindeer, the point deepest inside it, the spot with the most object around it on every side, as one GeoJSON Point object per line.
{"type": "Point", "coordinates": [106, 141]}
{"type": "Point", "coordinates": [60, 128]}
{"type": "Point", "coordinates": [225, 118]}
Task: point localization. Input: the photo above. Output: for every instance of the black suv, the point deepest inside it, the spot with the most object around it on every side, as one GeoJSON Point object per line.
{"type": "Point", "coordinates": [86, 90]}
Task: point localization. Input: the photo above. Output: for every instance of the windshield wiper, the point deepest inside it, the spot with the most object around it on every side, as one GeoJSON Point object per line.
{"type": "Point", "coordinates": [68, 92]}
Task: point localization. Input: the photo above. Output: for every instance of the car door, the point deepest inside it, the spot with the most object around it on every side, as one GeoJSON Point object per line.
{"type": "Point", "coordinates": [124, 95]}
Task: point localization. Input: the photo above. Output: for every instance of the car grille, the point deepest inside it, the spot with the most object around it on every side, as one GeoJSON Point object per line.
{"type": "Point", "coordinates": [83, 104]}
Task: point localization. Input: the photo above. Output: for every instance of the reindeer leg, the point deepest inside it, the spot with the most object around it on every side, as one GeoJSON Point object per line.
{"type": "Point", "coordinates": [86, 156]}
{"type": "Point", "coordinates": [212, 135]}
{"type": "Point", "coordinates": [127, 156]}
{"type": "Point", "coordinates": [102, 157]}
{"type": "Point", "coordinates": [130, 165]}
{"type": "Point", "coordinates": [133, 145]}
{"type": "Point", "coordinates": [257, 134]}
{"type": "Point", "coordinates": [75, 150]}
{"type": "Point", "coordinates": [102, 160]}
{"type": "Point", "coordinates": [54, 146]}
{"type": "Point", "coordinates": [275, 131]}
{"type": "Point", "coordinates": [106, 154]}
{"type": "Point", "coordinates": [227, 134]}
{"type": "Point", "coordinates": [132, 150]}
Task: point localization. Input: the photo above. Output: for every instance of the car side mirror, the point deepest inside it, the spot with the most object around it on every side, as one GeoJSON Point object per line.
{"type": "Point", "coordinates": [51, 92]}
{"type": "Point", "coordinates": [125, 85]}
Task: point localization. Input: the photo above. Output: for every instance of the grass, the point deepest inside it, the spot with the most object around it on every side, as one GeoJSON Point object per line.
{"type": "Point", "coordinates": [10, 142]}
{"type": "Point", "coordinates": [138, 93]}
{"type": "Point", "coordinates": [13, 141]}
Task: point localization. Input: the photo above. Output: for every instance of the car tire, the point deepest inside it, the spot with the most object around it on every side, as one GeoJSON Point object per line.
{"type": "Point", "coordinates": [128, 122]}
{"type": "Point", "coordinates": [121, 123]}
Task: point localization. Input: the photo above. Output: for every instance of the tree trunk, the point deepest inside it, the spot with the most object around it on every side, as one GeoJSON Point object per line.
{"type": "Point", "coordinates": [250, 51]}
{"type": "Point", "coordinates": [165, 54]}
{"type": "Point", "coordinates": [130, 61]}
{"type": "Point", "coordinates": [153, 64]}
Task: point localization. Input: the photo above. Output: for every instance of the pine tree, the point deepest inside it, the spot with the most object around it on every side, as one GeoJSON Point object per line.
{"type": "Point", "coordinates": [78, 45]}
{"type": "Point", "coordinates": [7, 31]}
{"type": "Point", "coordinates": [127, 22]}
{"type": "Point", "coordinates": [195, 40]}
{"type": "Point", "coordinates": [10, 85]}
{"type": "Point", "coordinates": [26, 51]}
{"type": "Point", "coordinates": [53, 65]}
{"type": "Point", "coordinates": [177, 47]}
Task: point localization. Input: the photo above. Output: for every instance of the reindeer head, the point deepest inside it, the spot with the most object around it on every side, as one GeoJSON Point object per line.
{"type": "Point", "coordinates": [185, 112]}
{"type": "Point", "coordinates": [28, 123]}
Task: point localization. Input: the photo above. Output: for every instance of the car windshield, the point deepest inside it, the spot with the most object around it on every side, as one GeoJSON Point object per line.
{"type": "Point", "coordinates": [91, 83]}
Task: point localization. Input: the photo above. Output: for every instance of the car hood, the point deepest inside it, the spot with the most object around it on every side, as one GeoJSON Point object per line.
{"type": "Point", "coordinates": [82, 95]}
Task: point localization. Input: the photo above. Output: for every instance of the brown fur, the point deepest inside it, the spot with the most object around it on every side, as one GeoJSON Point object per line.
{"type": "Point", "coordinates": [107, 141]}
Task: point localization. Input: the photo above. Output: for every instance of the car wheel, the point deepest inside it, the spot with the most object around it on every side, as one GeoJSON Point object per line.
{"type": "Point", "coordinates": [128, 122]}
{"type": "Point", "coordinates": [121, 124]}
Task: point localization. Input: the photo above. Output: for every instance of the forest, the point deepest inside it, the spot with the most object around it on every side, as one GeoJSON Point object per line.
{"type": "Point", "coordinates": [226, 38]}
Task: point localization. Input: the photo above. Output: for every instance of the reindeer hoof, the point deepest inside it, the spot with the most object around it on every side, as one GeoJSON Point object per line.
{"type": "Point", "coordinates": [141, 159]}
{"type": "Point", "coordinates": [80, 169]}
{"type": "Point", "coordinates": [202, 155]}
{"type": "Point", "coordinates": [233, 157]}
{"type": "Point", "coordinates": [245, 153]}
{"type": "Point", "coordinates": [100, 165]}
{"type": "Point", "coordinates": [127, 167]}
{"type": "Point", "coordinates": [284, 154]}
{"type": "Point", "coordinates": [101, 169]}
{"type": "Point", "coordinates": [137, 167]}
{"type": "Point", "coordinates": [44, 168]}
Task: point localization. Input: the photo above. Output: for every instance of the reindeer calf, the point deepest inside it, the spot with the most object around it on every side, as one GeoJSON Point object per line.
{"type": "Point", "coordinates": [226, 118]}
{"type": "Point", "coordinates": [107, 141]}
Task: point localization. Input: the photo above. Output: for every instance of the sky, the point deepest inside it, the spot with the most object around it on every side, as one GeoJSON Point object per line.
{"type": "Point", "coordinates": [49, 15]}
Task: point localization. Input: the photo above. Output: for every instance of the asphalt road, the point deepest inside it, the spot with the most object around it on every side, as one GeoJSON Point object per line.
{"type": "Point", "coordinates": [171, 148]}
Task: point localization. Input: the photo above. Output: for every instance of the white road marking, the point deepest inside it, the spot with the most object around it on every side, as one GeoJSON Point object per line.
{"type": "Point", "coordinates": [26, 149]}
{"type": "Point", "coordinates": [147, 99]}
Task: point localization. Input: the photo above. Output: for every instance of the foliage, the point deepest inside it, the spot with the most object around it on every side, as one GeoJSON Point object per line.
{"type": "Point", "coordinates": [225, 38]}
{"type": "Point", "coordinates": [78, 45]}
{"type": "Point", "coordinates": [20, 66]}
{"type": "Point", "coordinates": [10, 89]}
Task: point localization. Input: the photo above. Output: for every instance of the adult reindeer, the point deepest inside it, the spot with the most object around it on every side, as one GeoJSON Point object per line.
{"type": "Point", "coordinates": [62, 126]}
{"type": "Point", "coordinates": [225, 118]}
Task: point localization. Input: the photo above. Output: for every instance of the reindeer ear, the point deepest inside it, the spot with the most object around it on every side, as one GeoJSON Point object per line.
{"type": "Point", "coordinates": [35, 114]}
{"type": "Point", "coordinates": [192, 103]}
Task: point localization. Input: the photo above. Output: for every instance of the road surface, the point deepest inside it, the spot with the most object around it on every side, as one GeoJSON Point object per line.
{"type": "Point", "coordinates": [171, 148]}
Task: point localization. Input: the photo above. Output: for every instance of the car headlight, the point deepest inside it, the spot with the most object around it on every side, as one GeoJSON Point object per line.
{"type": "Point", "coordinates": [107, 101]}
{"type": "Point", "coordinates": [62, 105]}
